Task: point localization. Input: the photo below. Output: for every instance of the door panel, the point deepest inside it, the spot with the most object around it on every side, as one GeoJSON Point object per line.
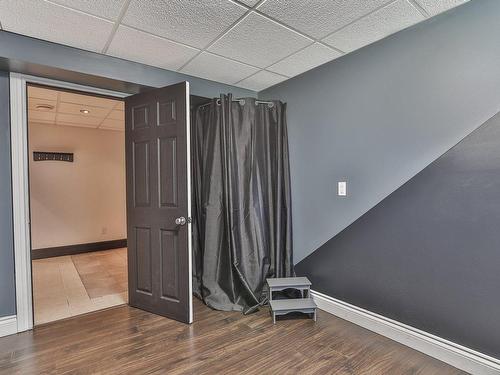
{"type": "Point", "coordinates": [140, 116]}
{"type": "Point", "coordinates": [168, 171]}
{"type": "Point", "coordinates": [157, 154]}
{"type": "Point", "coordinates": [140, 173]}
{"type": "Point", "coordinates": [143, 259]}
{"type": "Point", "coordinates": [166, 113]}
{"type": "Point", "coordinates": [170, 265]}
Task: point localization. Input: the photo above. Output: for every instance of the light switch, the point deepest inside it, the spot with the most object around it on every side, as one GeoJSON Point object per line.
{"type": "Point", "coordinates": [342, 188]}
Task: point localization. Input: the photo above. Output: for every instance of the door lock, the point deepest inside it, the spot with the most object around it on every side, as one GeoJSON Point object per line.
{"type": "Point", "coordinates": [180, 220]}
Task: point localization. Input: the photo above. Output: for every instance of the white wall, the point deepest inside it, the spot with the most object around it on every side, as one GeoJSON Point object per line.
{"type": "Point", "coordinates": [79, 202]}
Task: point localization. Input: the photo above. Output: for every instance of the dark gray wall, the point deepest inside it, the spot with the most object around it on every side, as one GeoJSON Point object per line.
{"type": "Point", "coordinates": [7, 286]}
{"type": "Point", "coordinates": [28, 55]}
{"type": "Point", "coordinates": [378, 116]}
{"type": "Point", "coordinates": [429, 254]}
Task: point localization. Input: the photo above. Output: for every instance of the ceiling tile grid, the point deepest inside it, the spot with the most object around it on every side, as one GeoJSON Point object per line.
{"type": "Point", "coordinates": [259, 41]}
{"type": "Point", "coordinates": [318, 18]}
{"type": "Point", "coordinates": [312, 56]}
{"type": "Point", "coordinates": [195, 23]}
{"type": "Point", "coordinates": [41, 93]}
{"type": "Point", "coordinates": [109, 9]}
{"type": "Point", "coordinates": [433, 7]}
{"type": "Point", "coordinates": [63, 108]}
{"type": "Point", "coordinates": [55, 23]}
{"type": "Point", "coordinates": [385, 21]}
{"type": "Point", "coordinates": [261, 80]}
{"type": "Point", "coordinates": [250, 3]}
{"type": "Point", "coordinates": [218, 68]}
{"type": "Point", "coordinates": [249, 43]}
{"type": "Point", "coordinates": [153, 50]}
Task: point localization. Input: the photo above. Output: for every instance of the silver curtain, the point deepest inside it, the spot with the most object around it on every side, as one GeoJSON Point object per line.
{"type": "Point", "coordinates": [242, 230]}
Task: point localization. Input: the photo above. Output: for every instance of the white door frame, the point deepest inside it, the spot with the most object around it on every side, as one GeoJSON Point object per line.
{"type": "Point", "coordinates": [20, 187]}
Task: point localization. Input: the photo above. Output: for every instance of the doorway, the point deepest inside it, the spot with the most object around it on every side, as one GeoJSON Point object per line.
{"type": "Point", "coordinates": [159, 250]}
{"type": "Point", "coordinates": [77, 202]}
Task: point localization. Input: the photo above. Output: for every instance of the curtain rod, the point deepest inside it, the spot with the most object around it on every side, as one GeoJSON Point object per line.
{"type": "Point", "coordinates": [242, 102]}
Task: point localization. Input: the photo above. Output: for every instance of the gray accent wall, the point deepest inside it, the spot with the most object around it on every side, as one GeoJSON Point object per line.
{"type": "Point", "coordinates": [428, 255]}
{"type": "Point", "coordinates": [379, 115]}
{"type": "Point", "coordinates": [7, 285]}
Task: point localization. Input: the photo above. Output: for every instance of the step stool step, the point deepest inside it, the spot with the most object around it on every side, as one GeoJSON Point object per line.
{"type": "Point", "coordinates": [294, 304]}
{"type": "Point", "coordinates": [289, 282]}
{"type": "Point", "coordinates": [285, 306]}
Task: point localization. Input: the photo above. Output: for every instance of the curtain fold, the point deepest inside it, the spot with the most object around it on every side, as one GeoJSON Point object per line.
{"type": "Point", "coordinates": [242, 223]}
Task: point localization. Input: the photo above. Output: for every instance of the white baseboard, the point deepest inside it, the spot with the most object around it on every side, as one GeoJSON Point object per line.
{"type": "Point", "coordinates": [456, 355]}
{"type": "Point", "coordinates": [8, 325]}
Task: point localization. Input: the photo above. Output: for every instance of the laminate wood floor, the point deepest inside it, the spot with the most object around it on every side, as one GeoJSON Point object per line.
{"type": "Point", "coordinates": [124, 340]}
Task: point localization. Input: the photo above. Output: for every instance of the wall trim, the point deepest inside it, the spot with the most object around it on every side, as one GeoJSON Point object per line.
{"type": "Point", "coordinates": [454, 354]}
{"type": "Point", "coordinates": [20, 188]}
{"type": "Point", "coordinates": [57, 251]}
{"type": "Point", "coordinates": [8, 325]}
{"type": "Point", "coordinates": [20, 205]}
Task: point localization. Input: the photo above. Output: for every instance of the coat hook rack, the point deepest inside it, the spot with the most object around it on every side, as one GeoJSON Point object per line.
{"type": "Point", "coordinates": [53, 156]}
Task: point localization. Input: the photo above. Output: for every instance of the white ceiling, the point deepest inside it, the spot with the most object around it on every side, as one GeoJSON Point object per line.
{"type": "Point", "coordinates": [248, 43]}
{"type": "Point", "coordinates": [65, 109]}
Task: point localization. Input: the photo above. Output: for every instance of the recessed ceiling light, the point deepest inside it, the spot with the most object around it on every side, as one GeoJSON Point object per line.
{"type": "Point", "coordinates": [84, 111]}
{"type": "Point", "coordinates": [44, 107]}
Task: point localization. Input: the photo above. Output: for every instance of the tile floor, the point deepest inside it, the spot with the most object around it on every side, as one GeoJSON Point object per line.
{"type": "Point", "coordinates": [72, 285]}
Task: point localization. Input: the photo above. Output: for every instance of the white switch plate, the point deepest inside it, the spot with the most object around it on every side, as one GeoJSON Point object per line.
{"type": "Point", "coordinates": [342, 188]}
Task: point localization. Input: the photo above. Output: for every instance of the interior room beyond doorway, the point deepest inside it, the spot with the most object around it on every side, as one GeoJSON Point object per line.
{"type": "Point", "coordinates": [76, 159]}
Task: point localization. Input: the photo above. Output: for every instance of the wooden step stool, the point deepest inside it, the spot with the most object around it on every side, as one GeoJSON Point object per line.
{"type": "Point", "coordinates": [284, 306]}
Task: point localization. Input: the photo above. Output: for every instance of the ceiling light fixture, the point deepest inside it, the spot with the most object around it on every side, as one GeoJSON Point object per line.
{"type": "Point", "coordinates": [85, 111]}
{"type": "Point", "coordinates": [44, 107]}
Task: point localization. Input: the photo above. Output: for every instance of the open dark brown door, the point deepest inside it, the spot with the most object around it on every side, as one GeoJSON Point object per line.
{"type": "Point", "coordinates": [158, 201]}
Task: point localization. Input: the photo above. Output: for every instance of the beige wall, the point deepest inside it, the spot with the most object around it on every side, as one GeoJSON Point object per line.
{"type": "Point", "coordinates": [77, 202]}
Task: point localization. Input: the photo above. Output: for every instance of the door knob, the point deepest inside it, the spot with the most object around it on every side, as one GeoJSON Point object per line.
{"type": "Point", "coordinates": [180, 220]}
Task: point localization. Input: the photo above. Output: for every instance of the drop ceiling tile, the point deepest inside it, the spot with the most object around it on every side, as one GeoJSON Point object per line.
{"type": "Point", "coordinates": [434, 7]}
{"type": "Point", "coordinates": [86, 100]}
{"type": "Point", "coordinates": [74, 109]}
{"type": "Point", "coordinates": [76, 120]}
{"type": "Point", "coordinates": [217, 68]}
{"type": "Point", "coordinates": [41, 93]}
{"type": "Point", "coordinates": [250, 3]}
{"type": "Point", "coordinates": [318, 18]}
{"type": "Point", "coordinates": [44, 20]}
{"type": "Point", "coordinates": [42, 116]}
{"type": "Point", "coordinates": [149, 49]}
{"type": "Point", "coordinates": [112, 124]}
{"type": "Point", "coordinates": [195, 23]}
{"type": "Point", "coordinates": [120, 105]}
{"type": "Point", "coordinates": [306, 59]}
{"type": "Point", "coordinates": [261, 80]}
{"type": "Point", "coordinates": [390, 19]}
{"type": "Point", "coordinates": [258, 41]}
{"type": "Point", "coordinates": [109, 9]}
{"type": "Point", "coordinates": [116, 115]}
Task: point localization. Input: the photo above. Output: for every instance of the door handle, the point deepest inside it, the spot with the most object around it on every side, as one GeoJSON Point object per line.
{"type": "Point", "coordinates": [180, 220]}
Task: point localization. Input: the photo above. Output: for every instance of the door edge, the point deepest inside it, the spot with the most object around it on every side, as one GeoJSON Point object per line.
{"type": "Point", "coordinates": [189, 223]}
